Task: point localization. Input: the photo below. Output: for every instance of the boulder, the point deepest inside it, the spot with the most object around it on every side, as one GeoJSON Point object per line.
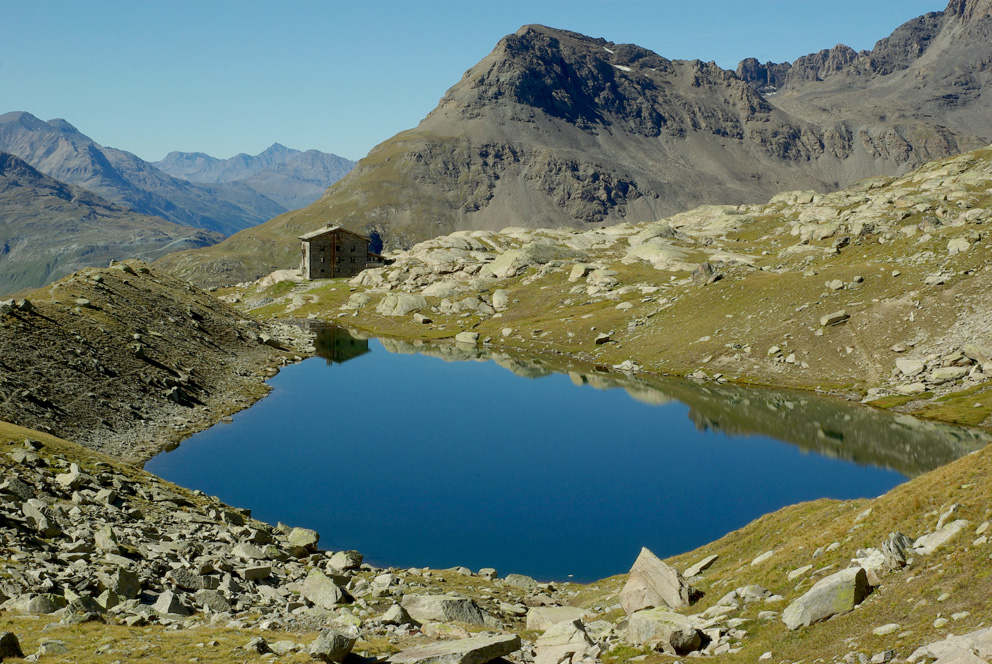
{"type": "Point", "coordinates": [321, 590]}
{"type": "Point", "coordinates": [927, 544]}
{"type": "Point", "coordinates": [910, 367]}
{"type": "Point", "coordinates": [169, 602]}
{"type": "Point", "coordinates": [45, 604]}
{"type": "Point", "coordinates": [540, 618]}
{"type": "Point", "coordinates": [663, 630]}
{"type": "Point", "coordinates": [653, 584]}
{"type": "Point", "coordinates": [9, 646]}
{"type": "Point", "coordinates": [473, 650]}
{"type": "Point", "coordinates": [400, 304]}
{"type": "Point", "coordinates": [947, 374]}
{"type": "Point", "coordinates": [121, 582]}
{"type": "Point", "coordinates": [830, 596]}
{"type": "Point", "coordinates": [396, 615]}
{"type": "Point", "coordinates": [564, 642]}
{"type": "Point", "coordinates": [467, 338]}
{"type": "Point", "coordinates": [303, 538]}
{"type": "Point", "coordinates": [346, 560]}
{"type": "Point", "coordinates": [897, 550]}
{"type": "Point", "coordinates": [331, 646]}
{"type": "Point", "coordinates": [521, 581]}
{"type": "Point", "coordinates": [444, 608]}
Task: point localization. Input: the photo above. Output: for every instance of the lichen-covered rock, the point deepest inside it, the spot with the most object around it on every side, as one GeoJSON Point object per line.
{"type": "Point", "coordinates": [830, 596]}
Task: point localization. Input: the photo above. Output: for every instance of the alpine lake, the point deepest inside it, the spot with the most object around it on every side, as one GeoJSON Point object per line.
{"type": "Point", "coordinates": [434, 456]}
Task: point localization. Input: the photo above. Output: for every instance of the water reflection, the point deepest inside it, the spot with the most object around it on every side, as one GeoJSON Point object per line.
{"type": "Point", "coordinates": [338, 345]}
{"type": "Point", "coordinates": [827, 426]}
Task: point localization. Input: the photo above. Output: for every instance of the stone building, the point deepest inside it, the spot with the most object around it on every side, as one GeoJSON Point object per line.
{"type": "Point", "coordinates": [333, 252]}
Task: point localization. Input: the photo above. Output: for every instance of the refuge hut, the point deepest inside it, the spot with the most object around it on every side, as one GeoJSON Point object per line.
{"type": "Point", "coordinates": [334, 252]}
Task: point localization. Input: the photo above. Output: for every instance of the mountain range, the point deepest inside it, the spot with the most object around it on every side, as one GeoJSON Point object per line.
{"type": "Point", "coordinates": [291, 178]}
{"type": "Point", "coordinates": [49, 229]}
{"type": "Point", "coordinates": [271, 184]}
{"type": "Point", "coordinates": [554, 128]}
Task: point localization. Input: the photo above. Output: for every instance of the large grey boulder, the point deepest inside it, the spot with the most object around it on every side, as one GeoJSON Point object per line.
{"type": "Point", "coordinates": [540, 618]}
{"type": "Point", "coordinates": [169, 602]}
{"type": "Point", "coordinates": [321, 590]}
{"type": "Point", "coordinates": [303, 538]}
{"type": "Point", "coordinates": [830, 596]}
{"type": "Point", "coordinates": [521, 581]}
{"type": "Point", "coordinates": [653, 584]}
{"type": "Point", "coordinates": [122, 582]}
{"type": "Point", "coordinates": [346, 560]}
{"type": "Point", "coordinates": [331, 646]}
{"type": "Point", "coordinates": [473, 650]}
{"type": "Point", "coordinates": [400, 304]}
{"type": "Point", "coordinates": [444, 608]}
{"type": "Point", "coordinates": [663, 630]}
{"type": "Point", "coordinates": [564, 642]}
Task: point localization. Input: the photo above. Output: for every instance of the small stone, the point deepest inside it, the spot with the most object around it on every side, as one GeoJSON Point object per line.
{"type": "Point", "coordinates": [836, 318]}
{"type": "Point", "coordinates": [886, 629]}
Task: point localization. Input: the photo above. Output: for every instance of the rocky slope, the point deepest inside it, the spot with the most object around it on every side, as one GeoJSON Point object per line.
{"type": "Point", "coordinates": [59, 150]}
{"type": "Point", "coordinates": [127, 361]}
{"type": "Point", "coordinates": [876, 292]}
{"type": "Point", "coordinates": [103, 562]}
{"type": "Point", "coordinates": [557, 129]}
{"type": "Point", "coordinates": [35, 209]}
{"type": "Point", "coordinates": [291, 178]}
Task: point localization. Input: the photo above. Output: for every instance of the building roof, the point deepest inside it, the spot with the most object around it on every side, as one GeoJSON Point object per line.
{"type": "Point", "coordinates": [327, 230]}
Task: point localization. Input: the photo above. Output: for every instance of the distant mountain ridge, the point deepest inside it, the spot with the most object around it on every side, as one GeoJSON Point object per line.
{"type": "Point", "coordinates": [554, 128]}
{"type": "Point", "coordinates": [61, 151]}
{"type": "Point", "coordinates": [49, 229]}
{"type": "Point", "coordinates": [290, 177]}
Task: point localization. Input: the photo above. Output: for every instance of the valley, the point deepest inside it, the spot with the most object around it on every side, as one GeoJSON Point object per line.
{"type": "Point", "coordinates": [661, 322]}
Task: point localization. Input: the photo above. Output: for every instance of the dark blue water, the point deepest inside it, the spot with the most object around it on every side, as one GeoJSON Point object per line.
{"type": "Point", "coordinates": [419, 462]}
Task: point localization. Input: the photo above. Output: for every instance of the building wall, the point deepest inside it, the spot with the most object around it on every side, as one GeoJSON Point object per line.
{"type": "Point", "coordinates": [334, 255]}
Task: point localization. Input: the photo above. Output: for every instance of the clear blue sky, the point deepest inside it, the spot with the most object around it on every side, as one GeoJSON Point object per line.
{"type": "Point", "coordinates": [223, 77]}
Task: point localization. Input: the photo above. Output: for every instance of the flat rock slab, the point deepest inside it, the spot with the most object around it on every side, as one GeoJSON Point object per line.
{"type": "Point", "coordinates": [830, 596]}
{"type": "Point", "coordinates": [653, 584]}
{"type": "Point", "coordinates": [929, 543]}
{"type": "Point", "coordinates": [474, 650]}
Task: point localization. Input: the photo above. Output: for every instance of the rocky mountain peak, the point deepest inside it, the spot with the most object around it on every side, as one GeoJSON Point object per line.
{"type": "Point", "coordinates": [63, 126]}
{"type": "Point", "coordinates": [969, 10]}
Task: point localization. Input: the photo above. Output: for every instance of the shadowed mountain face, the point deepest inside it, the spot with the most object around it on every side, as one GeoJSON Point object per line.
{"type": "Point", "coordinates": [49, 229]}
{"type": "Point", "coordinates": [59, 150]}
{"type": "Point", "coordinates": [291, 178]}
{"type": "Point", "coordinates": [557, 129]}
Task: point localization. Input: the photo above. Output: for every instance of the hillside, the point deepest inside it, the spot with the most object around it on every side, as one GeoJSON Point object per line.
{"type": "Point", "coordinates": [128, 361]}
{"type": "Point", "coordinates": [61, 151]}
{"type": "Point", "coordinates": [291, 178]}
{"type": "Point", "coordinates": [556, 129]}
{"type": "Point", "coordinates": [877, 292]}
{"type": "Point", "coordinates": [49, 229]}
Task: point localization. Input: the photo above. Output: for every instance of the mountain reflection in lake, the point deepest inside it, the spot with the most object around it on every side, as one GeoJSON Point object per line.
{"type": "Point", "coordinates": [417, 462]}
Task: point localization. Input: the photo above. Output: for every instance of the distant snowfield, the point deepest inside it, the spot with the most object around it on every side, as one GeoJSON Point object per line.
{"type": "Point", "coordinates": [622, 68]}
